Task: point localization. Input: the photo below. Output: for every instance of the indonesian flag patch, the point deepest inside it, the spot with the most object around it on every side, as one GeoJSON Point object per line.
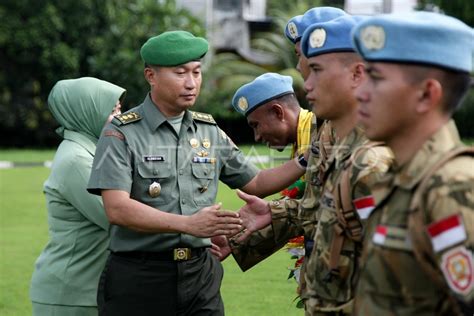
{"type": "Point", "coordinates": [380, 235]}
{"type": "Point", "coordinates": [457, 268]}
{"type": "Point", "coordinates": [364, 206]}
{"type": "Point", "coordinates": [392, 237]}
{"type": "Point", "coordinates": [447, 232]}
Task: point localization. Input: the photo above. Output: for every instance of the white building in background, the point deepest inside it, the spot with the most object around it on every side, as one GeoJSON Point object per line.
{"type": "Point", "coordinates": [231, 23]}
{"type": "Point", "coordinates": [371, 7]}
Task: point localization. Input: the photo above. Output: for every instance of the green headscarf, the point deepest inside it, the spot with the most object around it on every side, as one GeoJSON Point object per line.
{"type": "Point", "coordinates": [83, 105]}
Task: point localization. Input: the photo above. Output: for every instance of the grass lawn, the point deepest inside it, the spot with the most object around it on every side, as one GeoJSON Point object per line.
{"type": "Point", "coordinates": [264, 290]}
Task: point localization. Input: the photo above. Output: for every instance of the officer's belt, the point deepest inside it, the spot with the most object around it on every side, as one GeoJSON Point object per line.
{"type": "Point", "coordinates": [176, 254]}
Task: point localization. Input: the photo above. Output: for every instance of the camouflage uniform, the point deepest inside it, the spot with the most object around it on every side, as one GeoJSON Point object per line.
{"type": "Point", "coordinates": [325, 294]}
{"type": "Point", "coordinates": [267, 241]}
{"type": "Point", "coordinates": [394, 280]}
{"type": "Point", "coordinates": [330, 290]}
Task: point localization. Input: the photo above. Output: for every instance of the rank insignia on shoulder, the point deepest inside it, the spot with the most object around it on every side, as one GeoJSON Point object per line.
{"type": "Point", "coordinates": [203, 117]}
{"type": "Point", "coordinates": [126, 118]}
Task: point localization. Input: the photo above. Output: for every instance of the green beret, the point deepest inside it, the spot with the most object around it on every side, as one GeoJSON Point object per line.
{"type": "Point", "coordinates": [173, 48]}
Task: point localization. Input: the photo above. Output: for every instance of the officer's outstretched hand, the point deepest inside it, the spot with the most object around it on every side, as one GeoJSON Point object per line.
{"type": "Point", "coordinates": [255, 215]}
{"type": "Point", "coordinates": [212, 221]}
{"type": "Point", "coordinates": [220, 247]}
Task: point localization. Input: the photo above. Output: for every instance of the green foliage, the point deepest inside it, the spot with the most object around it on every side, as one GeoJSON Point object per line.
{"type": "Point", "coordinates": [42, 42]}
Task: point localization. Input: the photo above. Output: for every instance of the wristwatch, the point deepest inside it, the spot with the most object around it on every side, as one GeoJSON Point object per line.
{"type": "Point", "coordinates": [302, 161]}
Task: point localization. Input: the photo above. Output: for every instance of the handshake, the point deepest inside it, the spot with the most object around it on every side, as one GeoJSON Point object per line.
{"type": "Point", "coordinates": [238, 226]}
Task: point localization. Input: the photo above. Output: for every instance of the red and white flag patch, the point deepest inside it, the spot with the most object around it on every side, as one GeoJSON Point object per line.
{"type": "Point", "coordinates": [380, 235]}
{"type": "Point", "coordinates": [364, 206]}
{"type": "Point", "coordinates": [458, 269]}
{"type": "Point", "coordinates": [447, 232]}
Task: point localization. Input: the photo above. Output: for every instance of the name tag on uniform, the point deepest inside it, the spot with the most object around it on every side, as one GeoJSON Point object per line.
{"type": "Point", "coordinates": [153, 158]}
{"type": "Point", "coordinates": [392, 237]}
{"type": "Point", "coordinates": [204, 160]}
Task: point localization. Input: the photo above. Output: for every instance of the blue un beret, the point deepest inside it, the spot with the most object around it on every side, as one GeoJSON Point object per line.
{"type": "Point", "coordinates": [297, 25]}
{"type": "Point", "coordinates": [263, 89]}
{"type": "Point", "coordinates": [420, 37]}
{"type": "Point", "coordinates": [329, 37]}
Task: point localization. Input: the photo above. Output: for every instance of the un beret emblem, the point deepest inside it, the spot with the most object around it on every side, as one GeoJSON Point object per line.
{"type": "Point", "coordinates": [373, 37]}
{"type": "Point", "coordinates": [317, 38]}
{"type": "Point", "coordinates": [292, 30]}
{"type": "Point", "coordinates": [243, 104]}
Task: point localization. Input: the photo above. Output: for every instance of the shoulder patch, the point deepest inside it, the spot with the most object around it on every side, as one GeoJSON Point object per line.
{"type": "Point", "coordinates": [114, 133]}
{"type": "Point", "coordinates": [126, 118]}
{"type": "Point", "coordinates": [203, 117]}
{"type": "Point", "coordinates": [458, 270]}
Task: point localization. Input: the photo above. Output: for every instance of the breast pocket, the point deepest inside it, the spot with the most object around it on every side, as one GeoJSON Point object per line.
{"type": "Point", "coordinates": [148, 174]}
{"type": "Point", "coordinates": [204, 183]}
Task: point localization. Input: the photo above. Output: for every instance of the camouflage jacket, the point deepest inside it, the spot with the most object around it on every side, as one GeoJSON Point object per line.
{"type": "Point", "coordinates": [363, 163]}
{"type": "Point", "coordinates": [393, 279]}
{"type": "Point", "coordinates": [267, 241]}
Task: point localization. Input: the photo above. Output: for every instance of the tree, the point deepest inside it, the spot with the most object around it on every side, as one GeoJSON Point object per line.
{"type": "Point", "coordinates": [44, 41]}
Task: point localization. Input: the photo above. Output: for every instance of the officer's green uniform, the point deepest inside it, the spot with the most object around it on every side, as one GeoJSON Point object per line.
{"type": "Point", "coordinates": [177, 172]}
{"type": "Point", "coordinates": [144, 148]}
{"type": "Point", "coordinates": [391, 271]}
{"type": "Point", "coordinates": [134, 153]}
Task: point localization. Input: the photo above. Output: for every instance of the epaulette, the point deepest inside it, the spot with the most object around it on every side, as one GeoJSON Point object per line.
{"type": "Point", "coordinates": [126, 118]}
{"type": "Point", "coordinates": [203, 117]}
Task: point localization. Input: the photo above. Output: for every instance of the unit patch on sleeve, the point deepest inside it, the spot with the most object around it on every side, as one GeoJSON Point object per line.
{"type": "Point", "coordinates": [113, 133]}
{"type": "Point", "coordinates": [457, 268]}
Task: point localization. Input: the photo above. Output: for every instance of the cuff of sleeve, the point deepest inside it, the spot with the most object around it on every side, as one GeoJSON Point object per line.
{"type": "Point", "coordinates": [284, 213]}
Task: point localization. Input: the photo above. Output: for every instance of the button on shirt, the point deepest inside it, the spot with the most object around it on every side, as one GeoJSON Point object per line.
{"type": "Point", "coordinates": [151, 151]}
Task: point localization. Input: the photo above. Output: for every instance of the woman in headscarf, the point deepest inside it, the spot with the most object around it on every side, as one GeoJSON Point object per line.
{"type": "Point", "coordinates": [66, 274]}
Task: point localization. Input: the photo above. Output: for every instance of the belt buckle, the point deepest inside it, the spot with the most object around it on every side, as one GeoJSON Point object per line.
{"type": "Point", "coordinates": [180, 254]}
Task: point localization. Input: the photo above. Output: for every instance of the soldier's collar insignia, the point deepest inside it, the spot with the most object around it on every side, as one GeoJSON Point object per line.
{"type": "Point", "coordinates": [373, 37]}
{"type": "Point", "coordinates": [243, 104]}
{"type": "Point", "coordinates": [317, 38]}
{"type": "Point", "coordinates": [292, 30]}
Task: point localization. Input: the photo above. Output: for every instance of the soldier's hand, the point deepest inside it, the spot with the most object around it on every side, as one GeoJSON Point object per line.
{"type": "Point", "coordinates": [255, 215]}
{"type": "Point", "coordinates": [212, 221]}
{"type": "Point", "coordinates": [220, 247]}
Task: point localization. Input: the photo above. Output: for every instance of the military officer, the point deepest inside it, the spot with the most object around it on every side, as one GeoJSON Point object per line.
{"type": "Point", "coordinates": [353, 166]}
{"type": "Point", "coordinates": [157, 168]}
{"type": "Point", "coordinates": [418, 255]}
